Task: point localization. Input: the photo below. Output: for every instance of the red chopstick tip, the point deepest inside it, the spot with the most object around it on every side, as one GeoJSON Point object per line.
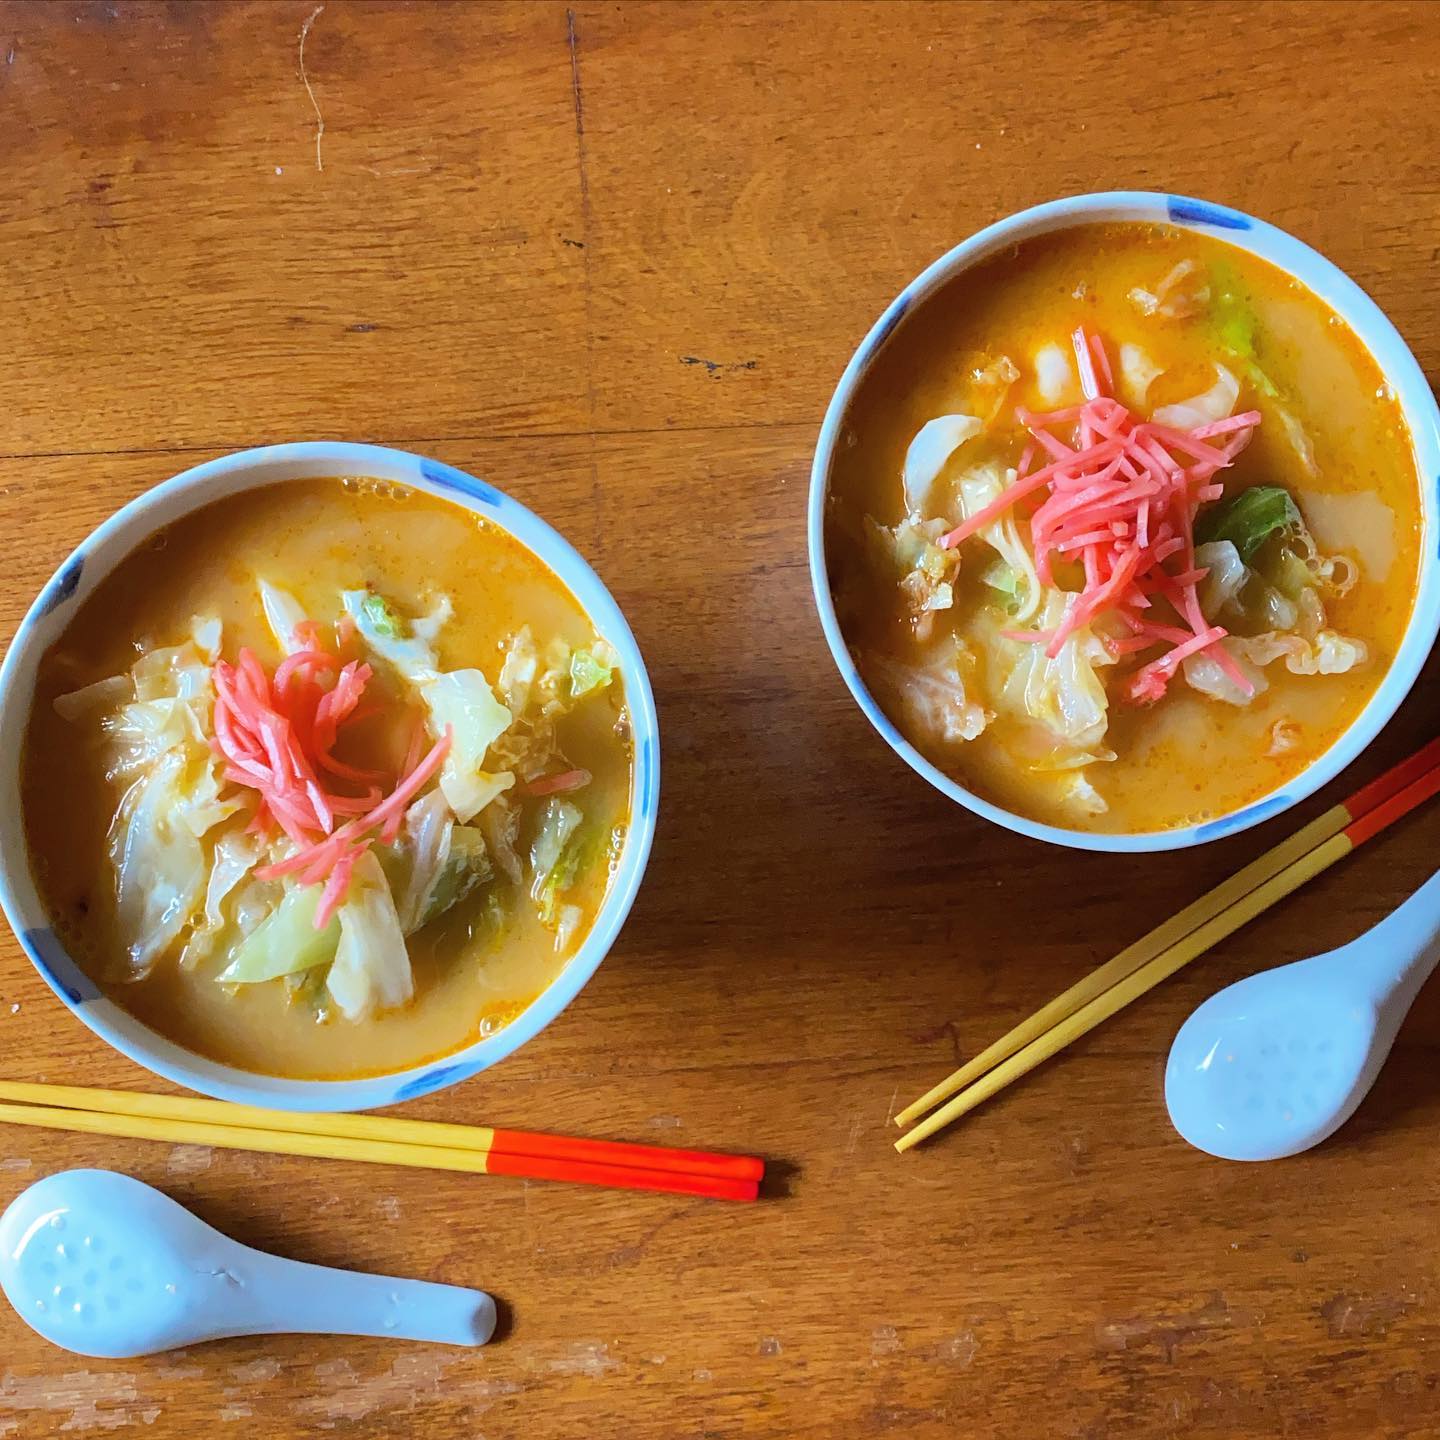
{"type": "Point", "coordinates": [621, 1177]}
{"type": "Point", "coordinates": [661, 1158]}
{"type": "Point", "coordinates": [1373, 821]}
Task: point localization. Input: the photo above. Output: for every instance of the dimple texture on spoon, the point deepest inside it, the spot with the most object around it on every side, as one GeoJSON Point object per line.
{"type": "Point", "coordinates": [104, 1265]}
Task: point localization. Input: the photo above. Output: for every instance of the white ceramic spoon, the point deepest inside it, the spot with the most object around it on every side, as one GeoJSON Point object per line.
{"type": "Point", "coordinates": [103, 1265]}
{"type": "Point", "coordinates": [1276, 1063]}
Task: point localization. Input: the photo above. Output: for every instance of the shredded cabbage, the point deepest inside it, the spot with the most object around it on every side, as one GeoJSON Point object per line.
{"type": "Point", "coordinates": [500, 824]}
{"type": "Point", "coordinates": [157, 738]}
{"type": "Point", "coordinates": [1251, 518]}
{"type": "Point", "coordinates": [463, 701]}
{"type": "Point", "coordinates": [933, 698]}
{"type": "Point", "coordinates": [112, 691]}
{"type": "Point", "coordinates": [1181, 293]}
{"type": "Point", "coordinates": [517, 674]}
{"type": "Point", "coordinates": [283, 614]}
{"type": "Point", "coordinates": [992, 384]}
{"type": "Point", "coordinates": [407, 646]}
{"type": "Point", "coordinates": [558, 822]}
{"type": "Point", "coordinates": [286, 943]}
{"type": "Point", "coordinates": [1216, 403]}
{"type": "Point", "coordinates": [1204, 673]}
{"type": "Point", "coordinates": [418, 855]}
{"type": "Point", "coordinates": [1329, 653]}
{"type": "Point", "coordinates": [591, 669]}
{"type": "Point", "coordinates": [464, 870]}
{"type": "Point", "coordinates": [371, 970]}
{"type": "Point", "coordinates": [435, 864]}
{"type": "Point", "coordinates": [1065, 694]}
{"type": "Point", "coordinates": [1227, 577]}
{"type": "Point", "coordinates": [158, 864]}
{"type": "Point", "coordinates": [1081, 796]}
{"type": "Point", "coordinates": [930, 452]}
{"type": "Point", "coordinates": [235, 854]}
{"type": "Point", "coordinates": [567, 925]}
{"type": "Point", "coordinates": [980, 487]}
{"type": "Point", "coordinates": [206, 631]}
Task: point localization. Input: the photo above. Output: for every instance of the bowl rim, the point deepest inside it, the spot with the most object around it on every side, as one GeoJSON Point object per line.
{"type": "Point", "coordinates": [117, 537]}
{"type": "Point", "coordinates": [1320, 276]}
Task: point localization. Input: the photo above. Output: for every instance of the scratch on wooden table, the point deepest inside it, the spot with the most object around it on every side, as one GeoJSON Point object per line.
{"type": "Point", "coordinates": [233, 1408]}
{"type": "Point", "coordinates": [585, 1357]}
{"type": "Point", "coordinates": [168, 1370]}
{"type": "Point", "coordinates": [957, 1349]}
{"type": "Point", "coordinates": [341, 1393]}
{"type": "Point", "coordinates": [256, 1371]}
{"type": "Point", "coordinates": [309, 88]}
{"type": "Point", "coordinates": [770, 1345]}
{"type": "Point", "coordinates": [189, 1160]}
{"type": "Point", "coordinates": [1169, 1332]}
{"type": "Point", "coordinates": [884, 1340]}
{"type": "Point", "coordinates": [80, 1392]}
{"type": "Point", "coordinates": [854, 1139]}
{"type": "Point", "coordinates": [1362, 1314]}
{"type": "Point", "coordinates": [15, 1164]}
{"type": "Point", "coordinates": [890, 1109]}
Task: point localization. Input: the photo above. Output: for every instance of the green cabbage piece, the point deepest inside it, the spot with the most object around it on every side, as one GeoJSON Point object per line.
{"type": "Point", "coordinates": [286, 943]}
{"type": "Point", "coordinates": [589, 671]}
{"type": "Point", "coordinates": [463, 701]}
{"type": "Point", "coordinates": [409, 648]}
{"type": "Point", "coordinates": [382, 617]}
{"type": "Point", "coordinates": [558, 822]}
{"type": "Point", "coordinates": [466, 868]}
{"type": "Point", "coordinates": [575, 860]}
{"type": "Point", "coordinates": [1231, 312]}
{"type": "Point", "coordinates": [981, 486]}
{"type": "Point", "coordinates": [1249, 519]}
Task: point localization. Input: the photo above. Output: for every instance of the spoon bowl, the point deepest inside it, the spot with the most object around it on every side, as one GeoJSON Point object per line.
{"type": "Point", "coordinates": [1276, 1063]}
{"type": "Point", "coordinates": [104, 1265]}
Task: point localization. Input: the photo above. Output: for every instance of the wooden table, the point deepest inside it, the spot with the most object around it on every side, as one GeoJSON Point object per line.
{"type": "Point", "coordinates": [614, 259]}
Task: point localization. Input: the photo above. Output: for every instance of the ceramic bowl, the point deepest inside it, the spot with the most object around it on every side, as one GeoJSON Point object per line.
{"type": "Point", "coordinates": [1338, 291]}
{"type": "Point", "coordinates": [132, 527]}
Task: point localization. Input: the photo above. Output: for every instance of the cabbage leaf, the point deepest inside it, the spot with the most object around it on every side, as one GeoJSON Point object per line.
{"type": "Point", "coordinates": [371, 969]}
{"type": "Point", "coordinates": [286, 942]}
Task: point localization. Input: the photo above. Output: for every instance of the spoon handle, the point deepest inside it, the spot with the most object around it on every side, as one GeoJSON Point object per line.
{"type": "Point", "coordinates": [1405, 946]}
{"type": "Point", "coordinates": [292, 1297]}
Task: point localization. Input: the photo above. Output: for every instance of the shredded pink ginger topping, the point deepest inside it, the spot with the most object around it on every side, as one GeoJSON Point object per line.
{"type": "Point", "coordinates": [277, 734]}
{"type": "Point", "coordinates": [1121, 500]}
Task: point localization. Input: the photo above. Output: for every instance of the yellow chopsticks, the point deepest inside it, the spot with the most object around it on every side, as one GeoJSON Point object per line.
{"type": "Point", "coordinates": [380, 1140]}
{"type": "Point", "coordinates": [1181, 939]}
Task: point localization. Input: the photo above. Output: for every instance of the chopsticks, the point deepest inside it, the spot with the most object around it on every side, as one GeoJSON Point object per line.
{"type": "Point", "coordinates": [1181, 939]}
{"type": "Point", "coordinates": [381, 1140]}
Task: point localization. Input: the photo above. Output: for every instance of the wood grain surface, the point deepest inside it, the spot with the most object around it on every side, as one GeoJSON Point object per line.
{"type": "Point", "coordinates": [614, 259]}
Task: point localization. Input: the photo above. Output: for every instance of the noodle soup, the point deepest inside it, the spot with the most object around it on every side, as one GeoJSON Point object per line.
{"type": "Point", "coordinates": [1123, 528]}
{"type": "Point", "coordinates": [328, 780]}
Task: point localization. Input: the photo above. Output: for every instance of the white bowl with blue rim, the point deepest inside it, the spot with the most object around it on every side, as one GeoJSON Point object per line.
{"type": "Point", "coordinates": [1337, 290]}
{"type": "Point", "coordinates": [129, 529]}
